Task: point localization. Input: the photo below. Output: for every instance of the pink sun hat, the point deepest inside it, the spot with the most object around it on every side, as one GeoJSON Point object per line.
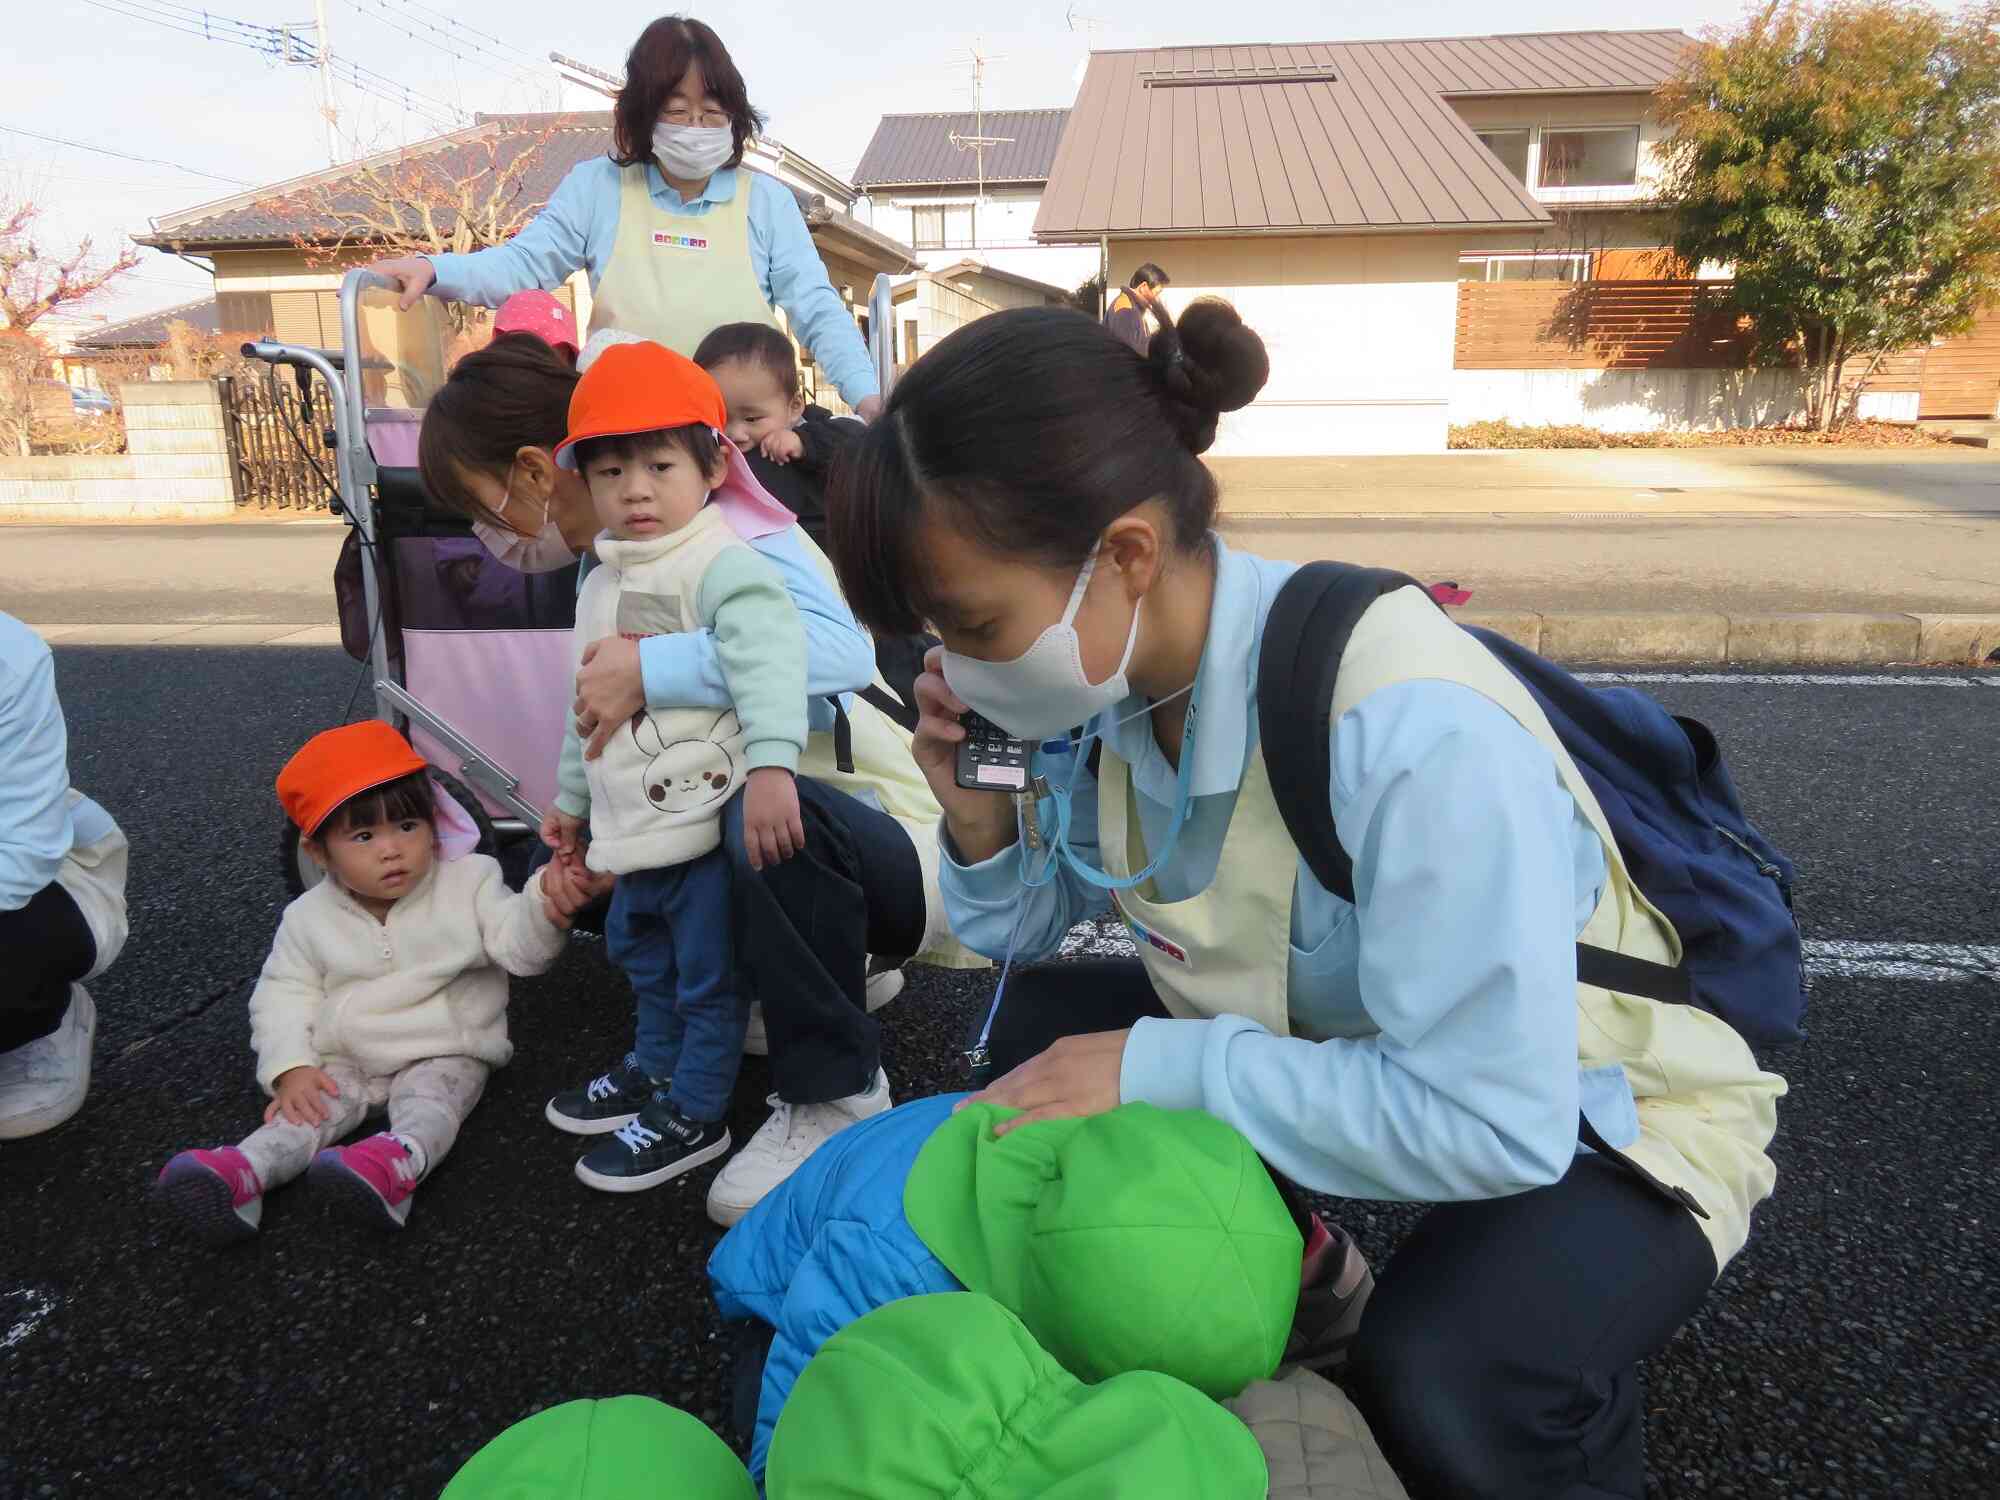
{"type": "Point", "coordinates": [542, 315]}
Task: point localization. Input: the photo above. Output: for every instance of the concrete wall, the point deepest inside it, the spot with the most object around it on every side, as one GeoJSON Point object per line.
{"type": "Point", "coordinates": [1360, 331]}
{"type": "Point", "coordinates": [176, 468]}
{"type": "Point", "coordinates": [1648, 400]}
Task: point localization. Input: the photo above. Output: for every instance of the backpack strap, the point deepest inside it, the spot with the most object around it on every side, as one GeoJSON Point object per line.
{"type": "Point", "coordinates": [1310, 624]}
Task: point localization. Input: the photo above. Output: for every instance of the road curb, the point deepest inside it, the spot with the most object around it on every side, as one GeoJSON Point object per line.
{"type": "Point", "coordinates": [1760, 639]}
{"type": "Point", "coordinates": [1750, 639]}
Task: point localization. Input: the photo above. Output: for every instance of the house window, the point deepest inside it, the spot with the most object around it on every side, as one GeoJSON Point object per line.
{"type": "Point", "coordinates": [942, 226]}
{"type": "Point", "coordinates": [1592, 158]}
{"type": "Point", "coordinates": [1511, 146]}
{"type": "Point", "coordinates": [1559, 267]}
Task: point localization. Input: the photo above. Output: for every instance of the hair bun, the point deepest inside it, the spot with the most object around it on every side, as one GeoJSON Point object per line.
{"type": "Point", "coordinates": [1209, 363]}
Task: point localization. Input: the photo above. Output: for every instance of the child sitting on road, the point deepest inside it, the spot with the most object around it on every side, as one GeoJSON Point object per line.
{"type": "Point", "coordinates": [645, 429]}
{"type": "Point", "coordinates": [387, 985]}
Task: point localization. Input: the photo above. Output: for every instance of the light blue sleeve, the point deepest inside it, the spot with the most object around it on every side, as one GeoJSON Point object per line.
{"type": "Point", "coordinates": [1464, 883]}
{"type": "Point", "coordinates": [575, 230]}
{"type": "Point", "coordinates": [35, 826]}
{"type": "Point", "coordinates": [683, 670]}
{"type": "Point", "coordinates": [794, 278]}
{"type": "Point", "coordinates": [983, 901]}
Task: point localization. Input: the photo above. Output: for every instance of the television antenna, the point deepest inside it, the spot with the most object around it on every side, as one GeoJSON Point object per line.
{"type": "Point", "coordinates": [979, 141]}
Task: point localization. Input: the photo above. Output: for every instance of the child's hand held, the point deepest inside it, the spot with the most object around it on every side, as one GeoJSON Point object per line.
{"type": "Point", "coordinates": [783, 447]}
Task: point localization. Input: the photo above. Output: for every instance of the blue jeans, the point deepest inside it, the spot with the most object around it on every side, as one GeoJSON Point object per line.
{"type": "Point", "coordinates": [669, 930]}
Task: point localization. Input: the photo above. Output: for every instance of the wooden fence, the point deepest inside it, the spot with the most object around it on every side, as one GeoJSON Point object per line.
{"type": "Point", "coordinates": [1686, 325]}
{"type": "Point", "coordinates": [277, 439]}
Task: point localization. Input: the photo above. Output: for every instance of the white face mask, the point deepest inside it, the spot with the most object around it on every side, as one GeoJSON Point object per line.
{"type": "Point", "coordinates": [693, 152]}
{"type": "Point", "coordinates": [544, 552]}
{"type": "Point", "coordinates": [1044, 691]}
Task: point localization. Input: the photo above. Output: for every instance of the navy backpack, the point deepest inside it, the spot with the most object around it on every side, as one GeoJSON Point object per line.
{"type": "Point", "coordinates": [1670, 801]}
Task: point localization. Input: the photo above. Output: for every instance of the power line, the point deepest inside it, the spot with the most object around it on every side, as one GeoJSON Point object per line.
{"type": "Point", "coordinates": [458, 25]}
{"type": "Point", "coordinates": [370, 8]}
{"type": "Point", "coordinates": [150, 161]}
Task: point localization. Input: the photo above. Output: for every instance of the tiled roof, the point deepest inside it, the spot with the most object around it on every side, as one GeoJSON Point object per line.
{"type": "Point", "coordinates": [1336, 136]}
{"type": "Point", "coordinates": [150, 330]}
{"type": "Point", "coordinates": [283, 211]}
{"type": "Point", "coordinates": [909, 150]}
{"type": "Point", "coordinates": [277, 213]}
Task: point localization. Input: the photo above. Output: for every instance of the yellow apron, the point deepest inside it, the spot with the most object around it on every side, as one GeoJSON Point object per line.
{"type": "Point", "coordinates": [1706, 1110]}
{"type": "Point", "coordinates": [676, 278]}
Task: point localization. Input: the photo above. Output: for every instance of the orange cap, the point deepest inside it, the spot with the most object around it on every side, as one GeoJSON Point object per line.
{"type": "Point", "coordinates": [640, 387]}
{"type": "Point", "coordinates": [337, 764]}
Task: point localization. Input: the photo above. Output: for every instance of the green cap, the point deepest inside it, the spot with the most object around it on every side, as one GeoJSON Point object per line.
{"type": "Point", "coordinates": [1140, 1239]}
{"type": "Point", "coordinates": [950, 1395]}
{"type": "Point", "coordinates": [603, 1450]}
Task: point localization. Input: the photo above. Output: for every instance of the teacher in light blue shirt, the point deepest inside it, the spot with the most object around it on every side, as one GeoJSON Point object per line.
{"type": "Point", "coordinates": [677, 236]}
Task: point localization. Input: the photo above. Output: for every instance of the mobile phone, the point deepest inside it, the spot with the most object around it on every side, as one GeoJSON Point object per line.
{"type": "Point", "coordinates": [988, 760]}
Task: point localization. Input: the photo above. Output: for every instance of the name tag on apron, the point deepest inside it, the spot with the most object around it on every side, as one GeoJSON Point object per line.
{"type": "Point", "coordinates": [662, 240]}
{"type": "Point", "coordinates": [1143, 934]}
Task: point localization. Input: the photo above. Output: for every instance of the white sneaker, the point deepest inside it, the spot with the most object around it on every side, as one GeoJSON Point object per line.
{"type": "Point", "coordinates": [43, 1083]}
{"type": "Point", "coordinates": [793, 1133]}
{"type": "Point", "coordinates": [881, 989]}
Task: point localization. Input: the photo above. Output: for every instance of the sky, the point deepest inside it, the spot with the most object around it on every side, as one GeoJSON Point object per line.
{"type": "Point", "coordinates": [151, 79]}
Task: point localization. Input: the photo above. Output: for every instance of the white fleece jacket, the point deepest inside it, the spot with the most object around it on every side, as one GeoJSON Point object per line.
{"type": "Point", "coordinates": [431, 981]}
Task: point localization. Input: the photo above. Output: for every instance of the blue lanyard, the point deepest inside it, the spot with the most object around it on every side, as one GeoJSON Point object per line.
{"type": "Point", "coordinates": [1183, 806]}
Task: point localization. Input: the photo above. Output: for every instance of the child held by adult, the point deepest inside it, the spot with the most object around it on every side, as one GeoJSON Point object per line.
{"type": "Point", "coordinates": [645, 430]}
{"type": "Point", "coordinates": [387, 985]}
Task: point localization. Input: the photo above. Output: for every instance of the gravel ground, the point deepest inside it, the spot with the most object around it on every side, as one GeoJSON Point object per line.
{"type": "Point", "coordinates": [1850, 1352]}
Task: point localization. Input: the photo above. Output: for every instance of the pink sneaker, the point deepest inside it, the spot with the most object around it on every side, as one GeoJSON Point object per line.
{"type": "Point", "coordinates": [371, 1181]}
{"type": "Point", "coordinates": [215, 1193]}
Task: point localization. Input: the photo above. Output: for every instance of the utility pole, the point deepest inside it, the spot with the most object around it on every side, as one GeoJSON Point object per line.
{"type": "Point", "coordinates": [326, 108]}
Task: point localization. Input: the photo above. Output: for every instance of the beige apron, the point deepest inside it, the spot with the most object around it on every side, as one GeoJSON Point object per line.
{"type": "Point", "coordinates": [1706, 1110]}
{"type": "Point", "coordinates": [1225, 950]}
{"type": "Point", "coordinates": [676, 278]}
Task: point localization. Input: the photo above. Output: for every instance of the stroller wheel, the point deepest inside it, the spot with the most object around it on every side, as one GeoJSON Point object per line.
{"type": "Point", "coordinates": [301, 872]}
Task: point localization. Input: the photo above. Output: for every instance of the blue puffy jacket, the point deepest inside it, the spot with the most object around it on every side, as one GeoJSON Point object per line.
{"type": "Point", "coordinates": [828, 1246]}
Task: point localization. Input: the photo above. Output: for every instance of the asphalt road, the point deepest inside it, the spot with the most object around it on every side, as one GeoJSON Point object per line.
{"type": "Point", "coordinates": [1853, 1350]}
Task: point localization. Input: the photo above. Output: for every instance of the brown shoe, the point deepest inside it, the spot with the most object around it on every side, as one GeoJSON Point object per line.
{"type": "Point", "coordinates": [1330, 1304]}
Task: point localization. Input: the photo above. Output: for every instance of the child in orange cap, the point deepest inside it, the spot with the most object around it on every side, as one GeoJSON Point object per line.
{"type": "Point", "coordinates": [645, 430]}
{"type": "Point", "coordinates": [387, 985]}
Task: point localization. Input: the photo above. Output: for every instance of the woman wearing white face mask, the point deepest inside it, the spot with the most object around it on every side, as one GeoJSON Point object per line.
{"type": "Point", "coordinates": [677, 237]}
{"type": "Point", "coordinates": [1428, 1040]}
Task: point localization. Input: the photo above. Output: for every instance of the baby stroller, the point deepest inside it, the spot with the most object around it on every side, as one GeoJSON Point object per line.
{"type": "Point", "coordinates": [469, 658]}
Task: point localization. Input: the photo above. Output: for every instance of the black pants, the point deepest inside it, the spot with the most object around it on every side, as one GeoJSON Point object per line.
{"type": "Point", "coordinates": [44, 947]}
{"type": "Point", "coordinates": [805, 928]}
{"type": "Point", "coordinates": [1498, 1355]}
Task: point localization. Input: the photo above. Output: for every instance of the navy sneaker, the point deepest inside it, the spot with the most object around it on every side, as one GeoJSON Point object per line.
{"type": "Point", "coordinates": [606, 1103]}
{"type": "Point", "coordinates": [656, 1147]}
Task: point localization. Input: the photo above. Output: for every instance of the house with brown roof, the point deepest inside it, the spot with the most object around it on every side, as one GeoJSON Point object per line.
{"type": "Point", "coordinates": [961, 186]}
{"type": "Point", "coordinates": [1338, 193]}
{"type": "Point", "coordinates": [279, 251]}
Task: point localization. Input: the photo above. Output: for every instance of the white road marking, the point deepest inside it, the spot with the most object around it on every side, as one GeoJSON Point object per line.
{"type": "Point", "coordinates": [33, 1305]}
{"type": "Point", "coordinates": [1794, 679]}
{"type": "Point", "coordinates": [1825, 958]}
{"type": "Point", "coordinates": [1930, 963]}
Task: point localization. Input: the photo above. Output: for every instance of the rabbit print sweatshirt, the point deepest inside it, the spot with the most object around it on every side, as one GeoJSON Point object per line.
{"type": "Point", "coordinates": [655, 796]}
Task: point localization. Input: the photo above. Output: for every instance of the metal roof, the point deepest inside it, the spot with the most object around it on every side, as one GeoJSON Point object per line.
{"type": "Point", "coordinates": [149, 330]}
{"type": "Point", "coordinates": [1317, 137]}
{"type": "Point", "coordinates": [913, 150]}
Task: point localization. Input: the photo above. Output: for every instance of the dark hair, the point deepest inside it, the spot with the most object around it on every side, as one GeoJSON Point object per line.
{"type": "Point", "coordinates": [407, 797]}
{"type": "Point", "coordinates": [1035, 429]}
{"type": "Point", "coordinates": [1150, 275]}
{"type": "Point", "coordinates": [653, 70]}
{"type": "Point", "coordinates": [754, 343]}
{"type": "Point", "coordinates": [512, 394]}
{"type": "Point", "coordinates": [697, 440]}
